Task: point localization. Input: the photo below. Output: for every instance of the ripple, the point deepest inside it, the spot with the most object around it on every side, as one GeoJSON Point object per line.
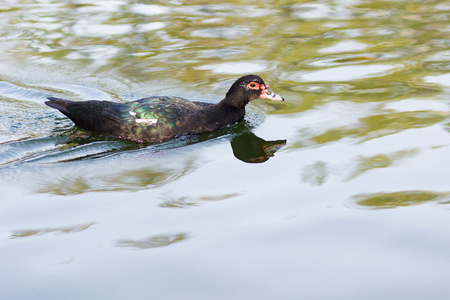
{"type": "Point", "coordinates": [220, 32]}
{"type": "Point", "coordinates": [24, 149]}
{"type": "Point", "coordinates": [149, 9]}
{"type": "Point", "coordinates": [316, 11]}
{"type": "Point", "coordinates": [222, 53]}
{"type": "Point", "coordinates": [345, 73]}
{"type": "Point", "coordinates": [222, 10]}
{"type": "Point", "coordinates": [345, 46]}
{"type": "Point", "coordinates": [323, 88]}
{"type": "Point", "coordinates": [90, 150]}
{"type": "Point", "coordinates": [98, 54]}
{"type": "Point", "coordinates": [86, 28]}
{"type": "Point", "coordinates": [339, 60]}
{"type": "Point", "coordinates": [20, 93]}
{"type": "Point", "coordinates": [96, 6]}
{"type": "Point", "coordinates": [234, 67]}
{"type": "Point", "coordinates": [83, 92]}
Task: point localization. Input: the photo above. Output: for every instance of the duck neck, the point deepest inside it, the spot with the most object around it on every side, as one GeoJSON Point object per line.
{"type": "Point", "coordinates": [214, 117]}
{"type": "Point", "coordinates": [233, 101]}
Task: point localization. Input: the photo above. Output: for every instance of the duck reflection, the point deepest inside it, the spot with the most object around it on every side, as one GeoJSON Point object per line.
{"type": "Point", "coordinates": [250, 148]}
{"type": "Point", "coordinates": [66, 159]}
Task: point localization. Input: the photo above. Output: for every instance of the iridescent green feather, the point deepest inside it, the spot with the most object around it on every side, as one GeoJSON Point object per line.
{"type": "Point", "coordinates": [167, 110]}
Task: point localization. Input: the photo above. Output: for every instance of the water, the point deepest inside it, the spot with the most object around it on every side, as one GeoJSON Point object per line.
{"type": "Point", "coordinates": [340, 192]}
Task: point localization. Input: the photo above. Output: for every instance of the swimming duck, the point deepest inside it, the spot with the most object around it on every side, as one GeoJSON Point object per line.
{"type": "Point", "coordinates": [160, 118]}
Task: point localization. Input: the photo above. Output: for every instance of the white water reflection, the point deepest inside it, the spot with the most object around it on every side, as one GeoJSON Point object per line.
{"type": "Point", "coordinates": [443, 79]}
{"type": "Point", "coordinates": [86, 28]}
{"type": "Point", "coordinates": [345, 73]}
{"type": "Point", "coordinates": [218, 32]}
{"type": "Point", "coordinates": [345, 46]}
{"type": "Point", "coordinates": [234, 68]}
{"type": "Point", "coordinates": [418, 105]}
{"type": "Point", "coordinates": [148, 9]}
{"type": "Point", "coordinates": [150, 26]}
{"type": "Point", "coordinates": [330, 10]}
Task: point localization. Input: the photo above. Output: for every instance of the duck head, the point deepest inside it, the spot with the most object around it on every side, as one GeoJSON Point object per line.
{"type": "Point", "coordinates": [248, 88]}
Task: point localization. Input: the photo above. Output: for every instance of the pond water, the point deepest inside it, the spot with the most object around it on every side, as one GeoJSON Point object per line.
{"type": "Point", "coordinates": [340, 192]}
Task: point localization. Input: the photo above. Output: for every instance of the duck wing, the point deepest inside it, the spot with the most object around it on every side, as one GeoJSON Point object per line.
{"type": "Point", "coordinates": [151, 119]}
{"type": "Point", "coordinates": [152, 111]}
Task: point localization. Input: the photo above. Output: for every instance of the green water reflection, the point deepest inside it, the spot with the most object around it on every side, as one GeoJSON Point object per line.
{"type": "Point", "coordinates": [38, 232]}
{"type": "Point", "coordinates": [170, 201]}
{"type": "Point", "coordinates": [382, 124]}
{"type": "Point", "coordinates": [403, 198]}
{"type": "Point", "coordinates": [154, 241]}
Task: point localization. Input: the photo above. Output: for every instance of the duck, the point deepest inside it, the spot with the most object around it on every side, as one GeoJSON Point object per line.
{"type": "Point", "coordinates": [157, 119]}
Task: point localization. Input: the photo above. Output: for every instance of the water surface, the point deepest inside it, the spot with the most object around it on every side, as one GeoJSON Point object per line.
{"type": "Point", "coordinates": [340, 192]}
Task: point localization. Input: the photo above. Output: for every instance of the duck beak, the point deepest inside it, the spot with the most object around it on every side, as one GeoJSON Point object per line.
{"type": "Point", "coordinates": [268, 94]}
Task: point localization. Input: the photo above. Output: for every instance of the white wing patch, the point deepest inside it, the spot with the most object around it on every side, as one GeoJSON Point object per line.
{"type": "Point", "coordinates": [147, 121]}
{"type": "Point", "coordinates": [144, 121]}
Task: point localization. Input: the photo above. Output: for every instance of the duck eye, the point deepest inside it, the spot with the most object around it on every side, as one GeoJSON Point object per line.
{"type": "Point", "coordinates": [253, 85]}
